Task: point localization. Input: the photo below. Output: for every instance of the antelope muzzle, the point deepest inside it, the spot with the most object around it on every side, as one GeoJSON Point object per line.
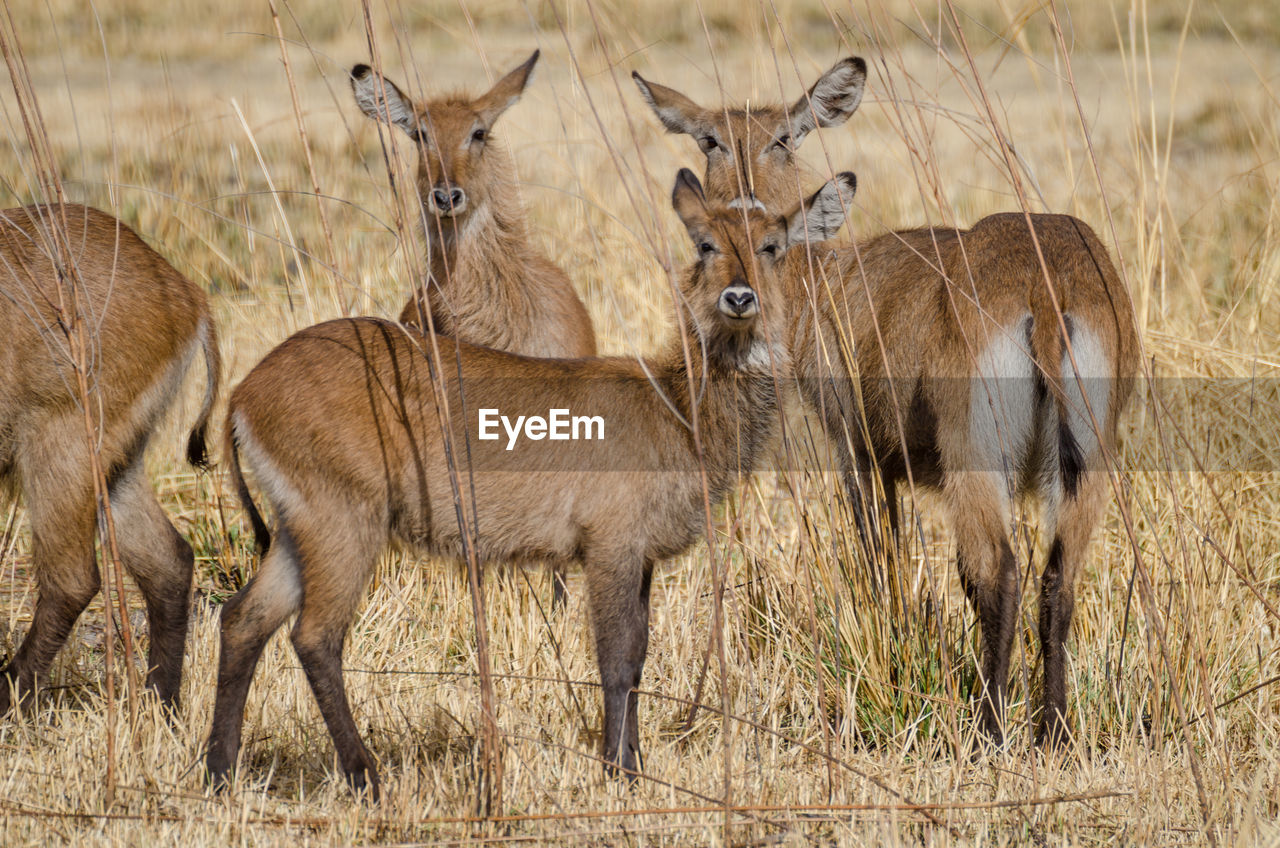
{"type": "Point", "coordinates": [738, 302]}
{"type": "Point", "coordinates": [447, 201]}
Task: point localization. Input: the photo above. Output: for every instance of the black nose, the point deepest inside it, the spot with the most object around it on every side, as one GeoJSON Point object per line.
{"type": "Point", "coordinates": [446, 200]}
{"type": "Point", "coordinates": [740, 302]}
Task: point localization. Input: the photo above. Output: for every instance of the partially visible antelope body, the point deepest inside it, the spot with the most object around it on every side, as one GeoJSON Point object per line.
{"type": "Point", "coordinates": [958, 360]}
{"type": "Point", "coordinates": [757, 143]}
{"type": "Point", "coordinates": [486, 284]}
{"type": "Point", "coordinates": [145, 322]}
{"type": "Point", "coordinates": [342, 428]}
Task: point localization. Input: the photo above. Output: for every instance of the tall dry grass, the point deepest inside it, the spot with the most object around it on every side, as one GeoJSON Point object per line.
{"type": "Point", "coordinates": [1157, 122]}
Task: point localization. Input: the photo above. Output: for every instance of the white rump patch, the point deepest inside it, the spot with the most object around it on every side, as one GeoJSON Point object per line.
{"type": "Point", "coordinates": [151, 404]}
{"type": "Point", "coordinates": [1002, 405]}
{"type": "Point", "coordinates": [1089, 379]}
{"type": "Point", "coordinates": [283, 496]}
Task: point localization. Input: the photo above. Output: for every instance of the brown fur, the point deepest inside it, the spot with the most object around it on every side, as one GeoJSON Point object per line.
{"type": "Point", "coordinates": [342, 427]}
{"type": "Point", "coordinates": [768, 136]}
{"type": "Point", "coordinates": [146, 322]}
{"type": "Point", "coordinates": [890, 362]}
{"type": "Point", "coordinates": [486, 284]}
{"type": "Point", "coordinates": [959, 348]}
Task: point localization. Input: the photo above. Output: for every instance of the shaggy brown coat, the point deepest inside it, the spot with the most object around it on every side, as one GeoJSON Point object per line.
{"type": "Point", "coordinates": [945, 359]}
{"type": "Point", "coordinates": [145, 323]}
{"type": "Point", "coordinates": [486, 284]}
{"type": "Point", "coordinates": [956, 360]}
{"type": "Point", "coordinates": [342, 425]}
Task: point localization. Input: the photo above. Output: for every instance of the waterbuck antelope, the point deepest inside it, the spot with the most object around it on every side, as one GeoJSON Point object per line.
{"type": "Point", "coordinates": [342, 427]}
{"type": "Point", "coordinates": [143, 323]}
{"type": "Point", "coordinates": [987, 363]}
{"type": "Point", "coordinates": [765, 136]}
{"type": "Point", "coordinates": [485, 283]}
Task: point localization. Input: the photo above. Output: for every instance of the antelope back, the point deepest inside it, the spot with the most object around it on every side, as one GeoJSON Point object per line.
{"type": "Point", "coordinates": [143, 322]}
{"type": "Point", "coordinates": [965, 336]}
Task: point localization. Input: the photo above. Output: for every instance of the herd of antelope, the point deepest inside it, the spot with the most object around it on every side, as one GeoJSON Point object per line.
{"type": "Point", "coordinates": [986, 364]}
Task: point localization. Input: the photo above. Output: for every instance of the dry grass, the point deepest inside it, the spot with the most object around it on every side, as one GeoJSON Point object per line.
{"type": "Point", "coordinates": [178, 118]}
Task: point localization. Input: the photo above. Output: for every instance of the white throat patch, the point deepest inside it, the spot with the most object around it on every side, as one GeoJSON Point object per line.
{"type": "Point", "coordinates": [746, 203]}
{"type": "Point", "coordinates": [762, 356]}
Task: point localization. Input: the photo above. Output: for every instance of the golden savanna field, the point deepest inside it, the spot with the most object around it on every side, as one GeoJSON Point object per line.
{"type": "Point", "coordinates": [225, 133]}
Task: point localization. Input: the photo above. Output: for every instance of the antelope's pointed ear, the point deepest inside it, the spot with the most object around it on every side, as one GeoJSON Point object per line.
{"type": "Point", "coordinates": [822, 215]}
{"type": "Point", "coordinates": [677, 113]}
{"type": "Point", "coordinates": [833, 98]}
{"type": "Point", "coordinates": [506, 91]}
{"type": "Point", "coordinates": [380, 99]}
{"type": "Point", "coordinates": [689, 201]}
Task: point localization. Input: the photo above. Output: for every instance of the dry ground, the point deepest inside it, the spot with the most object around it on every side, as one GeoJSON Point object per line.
{"type": "Point", "coordinates": [178, 117]}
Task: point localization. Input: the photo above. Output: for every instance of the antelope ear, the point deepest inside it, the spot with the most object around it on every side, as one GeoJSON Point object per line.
{"type": "Point", "coordinates": [822, 215]}
{"type": "Point", "coordinates": [832, 99]}
{"type": "Point", "coordinates": [677, 113]}
{"type": "Point", "coordinates": [506, 91]}
{"type": "Point", "coordinates": [380, 99]}
{"type": "Point", "coordinates": [690, 203]}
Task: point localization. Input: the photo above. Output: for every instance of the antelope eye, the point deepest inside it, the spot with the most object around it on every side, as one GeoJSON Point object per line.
{"type": "Point", "coordinates": [782, 142]}
{"type": "Point", "coordinates": [479, 135]}
{"type": "Point", "coordinates": [706, 248]}
{"type": "Point", "coordinates": [708, 143]}
{"type": "Point", "coordinates": [770, 250]}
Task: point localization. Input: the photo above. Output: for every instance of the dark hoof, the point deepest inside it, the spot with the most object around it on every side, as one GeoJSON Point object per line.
{"type": "Point", "coordinates": [627, 770]}
{"type": "Point", "coordinates": [1054, 736]}
{"type": "Point", "coordinates": [978, 748]}
{"type": "Point", "coordinates": [217, 769]}
{"type": "Point", "coordinates": [167, 691]}
{"type": "Point", "coordinates": [217, 778]}
{"type": "Point", "coordinates": [984, 742]}
{"type": "Point", "coordinates": [990, 730]}
{"type": "Point", "coordinates": [364, 783]}
{"type": "Point", "coordinates": [170, 706]}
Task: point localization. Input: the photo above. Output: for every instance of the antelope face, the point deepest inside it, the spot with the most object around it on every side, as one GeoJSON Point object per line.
{"type": "Point", "coordinates": [452, 135]}
{"type": "Point", "coordinates": [738, 280]}
{"type": "Point", "coordinates": [758, 140]}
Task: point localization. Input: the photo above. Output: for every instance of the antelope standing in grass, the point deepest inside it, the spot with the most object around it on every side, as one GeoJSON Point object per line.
{"type": "Point", "coordinates": [485, 283]}
{"type": "Point", "coordinates": [145, 323]}
{"type": "Point", "coordinates": [342, 427]}
{"type": "Point", "coordinates": [986, 363]}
